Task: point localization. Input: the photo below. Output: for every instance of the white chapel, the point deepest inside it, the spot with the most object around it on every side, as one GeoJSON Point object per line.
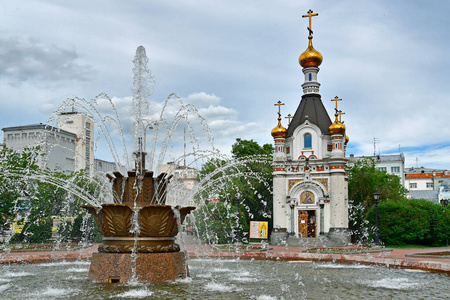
{"type": "Point", "coordinates": [310, 186]}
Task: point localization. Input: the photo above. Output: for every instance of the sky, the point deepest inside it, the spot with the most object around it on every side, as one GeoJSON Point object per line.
{"type": "Point", "coordinates": [233, 60]}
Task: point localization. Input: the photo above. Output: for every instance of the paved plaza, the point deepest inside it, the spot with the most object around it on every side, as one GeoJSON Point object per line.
{"type": "Point", "coordinates": [395, 258]}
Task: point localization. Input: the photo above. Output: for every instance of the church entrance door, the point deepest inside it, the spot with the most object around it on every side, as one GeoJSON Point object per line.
{"type": "Point", "coordinates": [302, 223]}
{"type": "Point", "coordinates": [306, 223]}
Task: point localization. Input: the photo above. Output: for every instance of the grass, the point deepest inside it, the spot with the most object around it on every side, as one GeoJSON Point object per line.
{"type": "Point", "coordinates": [243, 247]}
{"type": "Point", "coordinates": [413, 246]}
{"type": "Point", "coordinates": [42, 247]}
{"type": "Point", "coordinates": [442, 253]}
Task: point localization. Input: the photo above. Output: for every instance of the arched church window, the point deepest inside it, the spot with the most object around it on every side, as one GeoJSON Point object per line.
{"type": "Point", "coordinates": [307, 139]}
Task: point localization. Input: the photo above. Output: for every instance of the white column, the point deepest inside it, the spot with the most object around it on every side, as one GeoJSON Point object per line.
{"type": "Point", "coordinates": [279, 201]}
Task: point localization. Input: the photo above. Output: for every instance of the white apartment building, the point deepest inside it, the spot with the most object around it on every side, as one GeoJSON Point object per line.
{"type": "Point", "coordinates": [390, 163]}
{"type": "Point", "coordinates": [57, 145]}
{"type": "Point", "coordinates": [83, 128]}
{"type": "Point", "coordinates": [184, 178]}
{"type": "Point", "coordinates": [425, 183]}
{"type": "Point", "coordinates": [68, 147]}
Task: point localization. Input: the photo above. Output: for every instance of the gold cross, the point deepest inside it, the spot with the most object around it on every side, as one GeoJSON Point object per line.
{"type": "Point", "coordinates": [340, 113]}
{"type": "Point", "coordinates": [336, 99]}
{"type": "Point", "coordinates": [279, 107]}
{"type": "Point", "coordinates": [310, 15]}
{"type": "Point", "coordinates": [289, 117]}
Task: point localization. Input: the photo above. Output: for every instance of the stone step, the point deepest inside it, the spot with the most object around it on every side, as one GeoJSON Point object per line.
{"type": "Point", "coordinates": [321, 241]}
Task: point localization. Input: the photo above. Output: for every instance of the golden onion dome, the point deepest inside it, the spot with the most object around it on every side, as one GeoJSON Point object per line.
{"type": "Point", "coordinates": [279, 131]}
{"type": "Point", "coordinates": [336, 128]}
{"type": "Point", "coordinates": [346, 139]}
{"type": "Point", "coordinates": [311, 57]}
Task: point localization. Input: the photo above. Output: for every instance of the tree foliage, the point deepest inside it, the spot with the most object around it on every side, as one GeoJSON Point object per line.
{"type": "Point", "coordinates": [33, 196]}
{"type": "Point", "coordinates": [214, 224]}
{"type": "Point", "coordinates": [363, 180]}
{"type": "Point", "coordinates": [412, 222]}
{"type": "Point", "coordinates": [248, 177]}
{"type": "Point", "coordinates": [400, 220]}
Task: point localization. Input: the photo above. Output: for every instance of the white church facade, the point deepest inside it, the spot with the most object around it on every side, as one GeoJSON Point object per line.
{"type": "Point", "coordinates": [310, 186]}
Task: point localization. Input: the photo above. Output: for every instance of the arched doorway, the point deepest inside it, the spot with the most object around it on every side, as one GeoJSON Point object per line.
{"type": "Point", "coordinates": [307, 212]}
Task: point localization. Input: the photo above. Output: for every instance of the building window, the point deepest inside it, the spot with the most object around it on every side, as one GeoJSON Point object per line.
{"type": "Point", "coordinates": [429, 184]}
{"type": "Point", "coordinates": [382, 169]}
{"type": "Point", "coordinates": [307, 139]}
{"type": "Point", "coordinates": [413, 185]}
{"type": "Point", "coordinates": [395, 169]}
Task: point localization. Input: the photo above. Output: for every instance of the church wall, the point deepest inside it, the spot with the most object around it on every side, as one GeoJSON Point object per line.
{"type": "Point", "coordinates": [338, 200]}
{"type": "Point", "coordinates": [279, 202]}
{"type": "Point", "coordinates": [299, 148]}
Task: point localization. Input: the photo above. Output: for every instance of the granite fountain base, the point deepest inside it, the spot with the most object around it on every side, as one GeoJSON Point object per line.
{"type": "Point", "coordinates": [150, 267]}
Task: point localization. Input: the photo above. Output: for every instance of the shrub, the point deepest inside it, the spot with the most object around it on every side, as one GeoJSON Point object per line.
{"type": "Point", "coordinates": [411, 222]}
{"type": "Point", "coordinates": [215, 223]}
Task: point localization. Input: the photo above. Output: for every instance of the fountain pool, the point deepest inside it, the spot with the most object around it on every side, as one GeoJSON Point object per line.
{"type": "Point", "coordinates": [228, 279]}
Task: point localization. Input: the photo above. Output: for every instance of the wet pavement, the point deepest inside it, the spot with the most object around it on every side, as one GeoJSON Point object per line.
{"type": "Point", "coordinates": [397, 258]}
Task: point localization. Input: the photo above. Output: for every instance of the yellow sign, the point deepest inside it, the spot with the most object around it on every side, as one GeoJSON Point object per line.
{"type": "Point", "coordinates": [18, 226]}
{"type": "Point", "coordinates": [258, 230]}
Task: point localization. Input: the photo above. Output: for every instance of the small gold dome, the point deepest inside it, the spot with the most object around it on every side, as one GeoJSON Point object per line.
{"type": "Point", "coordinates": [311, 57]}
{"type": "Point", "coordinates": [279, 131]}
{"type": "Point", "coordinates": [336, 128]}
{"type": "Point", "coordinates": [346, 139]}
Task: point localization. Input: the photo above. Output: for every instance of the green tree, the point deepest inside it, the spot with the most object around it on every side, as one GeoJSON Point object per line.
{"type": "Point", "coordinates": [82, 229]}
{"type": "Point", "coordinates": [213, 223]}
{"type": "Point", "coordinates": [412, 222]}
{"type": "Point", "coordinates": [14, 182]}
{"type": "Point", "coordinates": [363, 180]}
{"type": "Point", "coordinates": [249, 175]}
{"type": "Point", "coordinates": [32, 196]}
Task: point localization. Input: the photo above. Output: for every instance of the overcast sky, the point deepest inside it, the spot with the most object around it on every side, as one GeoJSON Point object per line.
{"type": "Point", "coordinates": [387, 60]}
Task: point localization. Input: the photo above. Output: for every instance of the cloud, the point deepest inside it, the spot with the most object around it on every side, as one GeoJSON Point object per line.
{"type": "Point", "coordinates": [47, 108]}
{"type": "Point", "coordinates": [25, 59]}
{"type": "Point", "coordinates": [202, 99]}
{"type": "Point", "coordinates": [218, 112]}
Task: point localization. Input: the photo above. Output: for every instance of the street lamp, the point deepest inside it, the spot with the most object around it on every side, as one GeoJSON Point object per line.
{"type": "Point", "coordinates": [444, 202]}
{"type": "Point", "coordinates": [291, 203]}
{"type": "Point", "coordinates": [376, 197]}
{"type": "Point", "coordinates": [149, 126]}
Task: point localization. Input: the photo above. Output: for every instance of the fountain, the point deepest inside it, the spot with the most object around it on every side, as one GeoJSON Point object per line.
{"type": "Point", "coordinates": [139, 229]}
{"type": "Point", "coordinates": [150, 246]}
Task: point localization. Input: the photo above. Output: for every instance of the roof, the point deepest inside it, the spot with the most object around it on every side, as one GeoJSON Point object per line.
{"type": "Point", "coordinates": [446, 184]}
{"type": "Point", "coordinates": [39, 126]}
{"type": "Point", "coordinates": [422, 172]}
{"type": "Point", "coordinates": [310, 108]}
{"type": "Point", "coordinates": [379, 158]}
{"type": "Point", "coordinates": [425, 194]}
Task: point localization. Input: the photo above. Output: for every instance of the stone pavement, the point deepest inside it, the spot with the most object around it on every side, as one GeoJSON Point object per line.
{"type": "Point", "coordinates": [45, 256]}
{"type": "Point", "coordinates": [397, 258]}
{"type": "Point", "coordinates": [393, 258]}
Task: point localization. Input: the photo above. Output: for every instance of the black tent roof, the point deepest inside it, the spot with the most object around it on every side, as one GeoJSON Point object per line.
{"type": "Point", "coordinates": [311, 108]}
